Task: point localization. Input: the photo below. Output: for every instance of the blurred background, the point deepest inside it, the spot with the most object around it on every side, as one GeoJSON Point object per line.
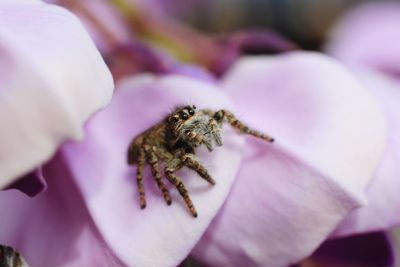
{"type": "Point", "coordinates": [306, 22]}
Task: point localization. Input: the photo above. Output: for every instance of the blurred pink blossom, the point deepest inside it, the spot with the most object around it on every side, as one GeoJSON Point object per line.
{"type": "Point", "coordinates": [368, 36]}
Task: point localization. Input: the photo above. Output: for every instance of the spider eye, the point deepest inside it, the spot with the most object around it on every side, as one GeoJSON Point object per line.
{"type": "Point", "coordinates": [184, 116]}
{"type": "Point", "coordinates": [191, 111]}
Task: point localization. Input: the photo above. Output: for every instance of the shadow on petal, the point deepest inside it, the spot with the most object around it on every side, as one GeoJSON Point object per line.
{"type": "Point", "coordinates": [54, 228]}
{"type": "Point", "coordinates": [278, 211]}
{"type": "Point", "coordinates": [31, 184]}
{"type": "Point", "coordinates": [367, 250]}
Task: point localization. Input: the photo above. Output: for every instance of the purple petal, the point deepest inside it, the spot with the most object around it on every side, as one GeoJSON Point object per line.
{"type": "Point", "coordinates": [290, 195]}
{"type": "Point", "coordinates": [160, 235]}
{"type": "Point", "coordinates": [368, 250]}
{"type": "Point", "coordinates": [105, 25]}
{"type": "Point", "coordinates": [249, 43]}
{"type": "Point", "coordinates": [135, 57]}
{"type": "Point", "coordinates": [176, 8]}
{"type": "Point", "coordinates": [316, 109]}
{"type": "Point", "coordinates": [277, 213]}
{"type": "Point", "coordinates": [369, 35]}
{"type": "Point", "coordinates": [193, 71]}
{"type": "Point", "coordinates": [54, 228]}
{"type": "Point", "coordinates": [52, 79]}
{"type": "Point", "coordinates": [382, 210]}
{"type": "Point", "coordinates": [31, 184]}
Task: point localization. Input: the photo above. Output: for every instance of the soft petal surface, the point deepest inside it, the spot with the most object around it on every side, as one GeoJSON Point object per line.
{"type": "Point", "coordinates": [104, 24]}
{"type": "Point", "coordinates": [369, 35]}
{"type": "Point", "coordinates": [160, 235]}
{"type": "Point", "coordinates": [290, 195]}
{"type": "Point", "coordinates": [54, 228]}
{"type": "Point", "coordinates": [382, 210]}
{"type": "Point", "coordinates": [52, 79]}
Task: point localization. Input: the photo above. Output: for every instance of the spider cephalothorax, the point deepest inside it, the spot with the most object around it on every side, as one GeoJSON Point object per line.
{"type": "Point", "coordinates": [172, 143]}
{"type": "Point", "coordinates": [194, 128]}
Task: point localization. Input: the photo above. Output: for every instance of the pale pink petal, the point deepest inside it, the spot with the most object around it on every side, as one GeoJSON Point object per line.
{"type": "Point", "coordinates": [382, 210]}
{"type": "Point", "coordinates": [22, 2]}
{"type": "Point", "coordinates": [277, 213]}
{"type": "Point", "coordinates": [54, 228]}
{"type": "Point", "coordinates": [52, 79]}
{"type": "Point", "coordinates": [369, 35]}
{"type": "Point", "coordinates": [103, 22]}
{"type": "Point", "coordinates": [160, 235]}
{"type": "Point", "coordinates": [290, 195]}
{"type": "Point", "coordinates": [315, 108]}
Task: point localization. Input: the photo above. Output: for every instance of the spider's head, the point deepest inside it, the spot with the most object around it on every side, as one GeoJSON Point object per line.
{"type": "Point", "coordinates": [191, 128]}
{"type": "Point", "coordinates": [181, 115]}
{"type": "Point", "coordinates": [180, 118]}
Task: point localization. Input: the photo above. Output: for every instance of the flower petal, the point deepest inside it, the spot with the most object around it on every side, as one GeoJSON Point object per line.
{"type": "Point", "coordinates": [369, 35]}
{"type": "Point", "coordinates": [290, 195]}
{"type": "Point", "coordinates": [316, 109]}
{"type": "Point", "coordinates": [249, 43]}
{"type": "Point", "coordinates": [277, 213]}
{"type": "Point", "coordinates": [159, 235]}
{"type": "Point", "coordinates": [100, 18]}
{"type": "Point", "coordinates": [54, 228]}
{"type": "Point", "coordinates": [383, 206]}
{"type": "Point", "coordinates": [52, 79]}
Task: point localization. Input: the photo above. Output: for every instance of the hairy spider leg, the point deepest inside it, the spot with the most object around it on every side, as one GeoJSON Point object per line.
{"type": "Point", "coordinates": [169, 172]}
{"type": "Point", "coordinates": [10, 256]}
{"type": "Point", "coordinates": [139, 178]}
{"type": "Point", "coordinates": [215, 131]}
{"type": "Point", "coordinates": [193, 164]}
{"type": "Point", "coordinates": [237, 124]}
{"type": "Point", "coordinates": [155, 170]}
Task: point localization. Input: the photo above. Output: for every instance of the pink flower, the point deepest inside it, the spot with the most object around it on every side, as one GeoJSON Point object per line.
{"type": "Point", "coordinates": [306, 186]}
{"type": "Point", "coordinates": [368, 36]}
{"type": "Point", "coordinates": [52, 79]}
{"type": "Point", "coordinates": [272, 205]}
{"type": "Point", "coordinates": [367, 40]}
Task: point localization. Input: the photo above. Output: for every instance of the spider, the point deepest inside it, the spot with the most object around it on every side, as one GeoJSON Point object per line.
{"type": "Point", "coordinates": [173, 142]}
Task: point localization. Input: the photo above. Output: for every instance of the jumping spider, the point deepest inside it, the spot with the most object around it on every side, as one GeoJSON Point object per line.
{"type": "Point", "coordinates": [173, 142]}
